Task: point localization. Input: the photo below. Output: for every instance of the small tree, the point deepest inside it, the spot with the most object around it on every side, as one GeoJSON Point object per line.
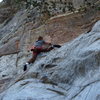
{"type": "Point", "coordinates": [70, 7]}
{"type": "Point", "coordinates": [64, 9]}
{"type": "Point", "coordinates": [53, 5]}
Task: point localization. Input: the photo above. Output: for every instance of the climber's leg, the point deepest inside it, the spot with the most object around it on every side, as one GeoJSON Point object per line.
{"type": "Point", "coordinates": [34, 56]}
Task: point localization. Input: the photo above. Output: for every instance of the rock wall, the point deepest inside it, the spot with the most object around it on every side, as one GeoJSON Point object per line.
{"type": "Point", "coordinates": [19, 34]}
{"type": "Point", "coordinates": [69, 73]}
{"type": "Point", "coordinates": [4, 14]}
{"type": "Point", "coordinates": [61, 6]}
{"type": "Point", "coordinates": [45, 7]}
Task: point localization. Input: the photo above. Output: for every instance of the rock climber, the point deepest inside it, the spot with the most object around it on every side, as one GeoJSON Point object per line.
{"type": "Point", "coordinates": [37, 48]}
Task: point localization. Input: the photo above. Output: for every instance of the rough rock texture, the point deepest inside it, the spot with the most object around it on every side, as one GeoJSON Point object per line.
{"type": "Point", "coordinates": [7, 66]}
{"type": "Point", "coordinates": [69, 73]}
{"type": "Point", "coordinates": [42, 7]}
{"type": "Point", "coordinates": [55, 7]}
{"type": "Point", "coordinates": [33, 90]}
{"type": "Point", "coordinates": [78, 3]}
{"type": "Point", "coordinates": [5, 13]}
{"type": "Point", "coordinates": [22, 31]}
{"type": "Point", "coordinates": [10, 28]}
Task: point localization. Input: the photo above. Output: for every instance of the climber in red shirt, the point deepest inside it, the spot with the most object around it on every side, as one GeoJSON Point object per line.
{"type": "Point", "coordinates": [38, 48]}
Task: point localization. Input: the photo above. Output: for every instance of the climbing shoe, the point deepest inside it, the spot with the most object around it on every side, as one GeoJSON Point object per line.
{"type": "Point", "coordinates": [25, 67]}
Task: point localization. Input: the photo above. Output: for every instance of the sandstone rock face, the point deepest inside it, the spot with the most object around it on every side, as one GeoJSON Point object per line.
{"type": "Point", "coordinates": [69, 73]}
{"type": "Point", "coordinates": [20, 33]}
{"type": "Point", "coordinates": [78, 3]}
{"type": "Point", "coordinates": [55, 7]}
{"type": "Point", "coordinates": [14, 23]}
{"type": "Point", "coordinates": [5, 13]}
{"type": "Point", "coordinates": [8, 66]}
{"type": "Point", "coordinates": [45, 8]}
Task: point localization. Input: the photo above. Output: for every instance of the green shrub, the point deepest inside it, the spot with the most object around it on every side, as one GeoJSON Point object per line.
{"type": "Point", "coordinates": [98, 8]}
{"type": "Point", "coordinates": [70, 7]}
